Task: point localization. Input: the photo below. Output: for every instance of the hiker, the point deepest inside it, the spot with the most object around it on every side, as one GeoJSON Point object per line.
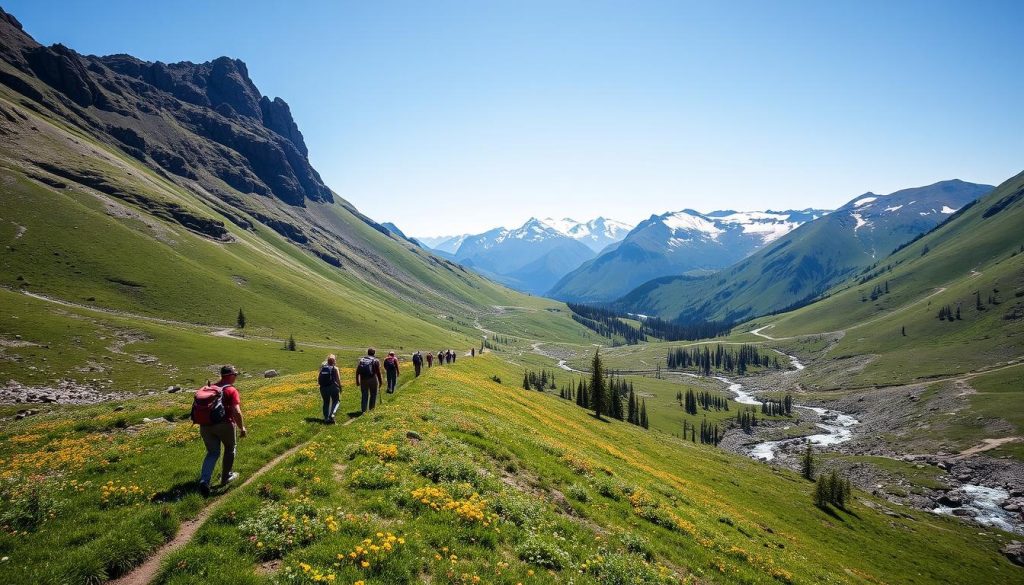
{"type": "Point", "coordinates": [440, 357]}
{"type": "Point", "coordinates": [369, 379]}
{"type": "Point", "coordinates": [417, 362]}
{"type": "Point", "coordinates": [217, 409]}
{"type": "Point", "coordinates": [472, 352]}
{"type": "Point", "coordinates": [453, 355]}
{"type": "Point", "coordinates": [391, 368]}
{"type": "Point", "coordinates": [330, 388]}
{"type": "Point", "coordinates": [430, 359]}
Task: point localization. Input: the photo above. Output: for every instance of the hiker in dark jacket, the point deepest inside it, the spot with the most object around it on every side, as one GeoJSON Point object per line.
{"type": "Point", "coordinates": [454, 355]}
{"type": "Point", "coordinates": [417, 362]}
{"type": "Point", "coordinates": [430, 359]}
{"type": "Point", "coordinates": [369, 379]}
{"type": "Point", "coordinates": [222, 432]}
{"type": "Point", "coordinates": [440, 357]}
{"type": "Point", "coordinates": [330, 387]}
{"type": "Point", "coordinates": [391, 369]}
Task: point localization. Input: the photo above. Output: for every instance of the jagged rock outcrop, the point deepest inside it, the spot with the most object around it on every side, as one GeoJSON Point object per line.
{"type": "Point", "coordinates": [204, 122]}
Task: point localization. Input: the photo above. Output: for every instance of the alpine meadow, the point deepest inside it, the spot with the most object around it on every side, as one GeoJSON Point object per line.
{"type": "Point", "coordinates": [216, 368]}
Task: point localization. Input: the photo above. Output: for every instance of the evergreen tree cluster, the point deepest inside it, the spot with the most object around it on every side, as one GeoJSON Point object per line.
{"type": "Point", "coordinates": [946, 313]}
{"type": "Point", "coordinates": [781, 407]}
{"type": "Point", "coordinates": [290, 344]}
{"type": "Point", "coordinates": [709, 433]}
{"type": "Point", "coordinates": [608, 323]}
{"type": "Point", "coordinates": [494, 341]}
{"type": "Point", "coordinates": [807, 463]}
{"type": "Point", "coordinates": [878, 291]}
{"type": "Point", "coordinates": [539, 381]}
{"type": "Point", "coordinates": [832, 489]}
{"type": "Point", "coordinates": [704, 360]}
{"type": "Point", "coordinates": [607, 395]}
{"type": "Point", "coordinates": [746, 419]}
{"type": "Point", "coordinates": [706, 400]}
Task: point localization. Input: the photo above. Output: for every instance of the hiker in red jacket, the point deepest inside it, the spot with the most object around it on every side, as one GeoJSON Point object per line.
{"type": "Point", "coordinates": [218, 427]}
{"type": "Point", "coordinates": [430, 359]}
{"type": "Point", "coordinates": [369, 379]}
{"type": "Point", "coordinates": [391, 368]}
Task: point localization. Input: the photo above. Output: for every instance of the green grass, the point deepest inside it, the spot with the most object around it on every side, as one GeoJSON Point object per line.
{"type": "Point", "coordinates": [563, 492]}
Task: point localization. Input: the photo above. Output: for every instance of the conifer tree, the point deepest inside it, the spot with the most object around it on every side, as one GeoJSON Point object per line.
{"type": "Point", "coordinates": [526, 380]}
{"type": "Point", "coordinates": [241, 318]}
{"type": "Point", "coordinates": [631, 413]}
{"type": "Point", "coordinates": [616, 407]}
{"type": "Point", "coordinates": [291, 343]}
{"type": "Point", "coordinates": [597, 390]}
{"type": "Point", "coordinates": [807, 465]}
{"type": "Point", "coordinates": [643, 413]}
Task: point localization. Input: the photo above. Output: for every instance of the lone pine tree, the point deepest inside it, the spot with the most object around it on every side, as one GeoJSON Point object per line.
{"type": "Point", "coordinates": [597, 393]}
{"type": "Point", "coordinates": [241, 319]}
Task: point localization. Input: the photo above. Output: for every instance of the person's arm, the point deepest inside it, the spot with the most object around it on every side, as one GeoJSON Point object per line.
{"type": "Point", "coordinates": [337, 376]}
{"type": "Point", "coordinates": [397, 371]}
{"type": "Point", "coordinates": [238, 420]}
{"type": "Point", "coordinates": [376, 372]}
{"type": "Point", "coordinates": [359, 381]}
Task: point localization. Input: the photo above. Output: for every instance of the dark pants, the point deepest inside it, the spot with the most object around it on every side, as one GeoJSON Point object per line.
{"type": "Point", "coordinates": [368, 388]}
{"type": "Point", "coordinates": [418, 367]}
{"type": "Point", "coordinates": [392, 380]}
{"type": "Point", "coordinates": [332, 398]}
{"type": "Point", "coordinates": [213, 436]}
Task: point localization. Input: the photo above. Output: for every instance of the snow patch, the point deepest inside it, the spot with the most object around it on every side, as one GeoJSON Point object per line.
{"type": "Point", "coordinates": [864, 201]}
{"type": "Point", "coordinates": [947, 210]}
{"type": "Point", "coordinates": [895, 208]}
{"type": "Point", "coordinates": [861, 222]}
{"type": "Point", "coordinates": [686, 221]}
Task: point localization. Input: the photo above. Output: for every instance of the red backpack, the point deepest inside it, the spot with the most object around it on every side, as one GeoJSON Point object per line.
{"type": "Point", "coordinates": [208, 405]}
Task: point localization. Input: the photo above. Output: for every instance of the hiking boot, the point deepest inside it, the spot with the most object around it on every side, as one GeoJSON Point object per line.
{"type": "Point", "coordinates": [331, 421]}
{"type": "Point", "coordinates": [230, 478]}
{"type": "Point", "coordinates": [204, 488]}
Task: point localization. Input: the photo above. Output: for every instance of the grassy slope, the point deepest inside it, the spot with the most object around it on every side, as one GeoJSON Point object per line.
{"type": "Point", "coordinates": [541, 464]}
{"type": "Point", "coordinates": [79, 246]}
{"type": "Point", "coordinates": [968, 254]}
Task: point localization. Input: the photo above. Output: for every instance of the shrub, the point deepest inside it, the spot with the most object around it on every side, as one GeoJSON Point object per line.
{"type": "Point", "coordinates": [543, 551]}
{"type": "Point", "coordinates": [277, 528]}
{"type": "Point", "coordinates": [625, 569]}
{"type": "Point", "coordinates": [517, 508]}
{"type": "Point", "coordinates": [27, 505]}
{"type": "Point", "coordinates": [444, 467]}
{"type": "Point", "coordinates": [376, 475]}
{"type": "Point", "coordinates": [578, 492]}
{"type": "Point", "coordinates": [636, 544]}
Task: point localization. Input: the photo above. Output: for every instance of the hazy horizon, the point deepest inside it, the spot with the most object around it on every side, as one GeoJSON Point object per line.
{"type": "Point", "coordinates": [452, 117]}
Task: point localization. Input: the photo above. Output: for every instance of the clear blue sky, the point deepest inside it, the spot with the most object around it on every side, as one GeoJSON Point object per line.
{"type": "Point", "coordinates": [447, 117]}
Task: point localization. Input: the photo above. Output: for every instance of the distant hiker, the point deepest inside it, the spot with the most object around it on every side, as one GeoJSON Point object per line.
{"type": "Point", "coordinates": [430, 359]}
{"type": "Point", "coordinates": [369, 379]}
{"type": "Point", "coordinates": [452, 353]}
{"type": "Point", "coordinates": [217, 409]}
{"type": "Point", "coordinates": [391, 368]}
{"type": "Point", "coordinates": [330, 387]}
{"type": "Point", "coordinates": [440, 357]}
{"type": "Point", "coordinates": [417, 362]}
{"type": "Point", "coordinates": [472, 352]}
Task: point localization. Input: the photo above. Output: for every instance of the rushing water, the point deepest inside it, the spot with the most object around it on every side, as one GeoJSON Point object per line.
{"type": "Point", "coordinates": [837, 425]}
{"type": "Point", "coordinates": [983, 505]}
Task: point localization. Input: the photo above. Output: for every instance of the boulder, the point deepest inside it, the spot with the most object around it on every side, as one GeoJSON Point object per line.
{"type": "Point", "coordinates": [270, 374]}
{"type": "Point", "coordinates": [413, 435]}
{"type": "Point", "coordinates": [950, 501]}
{"type": "Point", "coordinates": [173, 389]}
{"type": "Point", "coordinates": [1014, 551]}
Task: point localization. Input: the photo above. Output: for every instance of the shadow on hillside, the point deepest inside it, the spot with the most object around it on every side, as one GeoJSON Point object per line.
{"type": "Point", "coordinates": [314, 420]}
{"type": "Point", "coordinates": [600, 418]}
{"type": "Point", "coordinates": [834, 513]}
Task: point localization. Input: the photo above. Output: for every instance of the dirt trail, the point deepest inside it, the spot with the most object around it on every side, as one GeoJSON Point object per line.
{"type": "Point", "coordinates": [987, 445]}
{"type": "Point", "coordinates": [144, 573]}
{"type": "Point", "coordinates": [758, 331]}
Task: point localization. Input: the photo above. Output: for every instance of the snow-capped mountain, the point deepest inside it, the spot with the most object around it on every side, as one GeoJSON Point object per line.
{"type": "Point", "coordinates": [529, 258]}
{"type": "Point", "coordinates": [676, 243]}
{"type": "Point", "coordinates": [533, 256]}
{"type": "Point", "coordinates": [448, 244]}
{"type": "Point", "coordinates": [808, 260]}
{"type": "Point", "coordinates": [597, 233]}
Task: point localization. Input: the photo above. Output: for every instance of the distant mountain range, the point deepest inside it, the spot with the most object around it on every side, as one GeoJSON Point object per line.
{"type": "Point", "coordinates": [677, 243]}
{"type": "Point", "coordinates": [805, 262]}
{"type": "Point", "coordinates": [534, 255]}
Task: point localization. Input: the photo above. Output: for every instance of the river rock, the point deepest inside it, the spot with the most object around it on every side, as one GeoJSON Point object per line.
{"type": "Point", "coordinates": [951, 501]}
{"type": "Point", "coordinates": [1014, 551]}
{"type": "Point", "coordinates": [270, 374]}
{"type": "Point", "coordinates": [173, 389]}
{"type": "Point", "coordinates": [963, 512]}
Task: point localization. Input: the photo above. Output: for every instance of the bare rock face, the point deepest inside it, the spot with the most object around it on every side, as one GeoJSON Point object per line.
{"type": "Point", "coordinates": [1015, 552]}
{"type": "Point", "coordinates": [270, 374]}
